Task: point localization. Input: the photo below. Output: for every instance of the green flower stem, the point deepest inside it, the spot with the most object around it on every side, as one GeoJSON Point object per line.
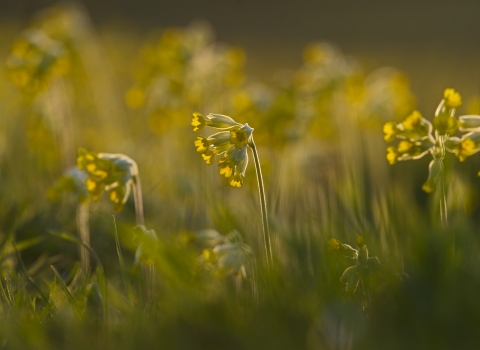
{"type": "Point", "coordinates": [443, 200]}
{"type": "Point", "coordinates": [263, 205]}
{"type": "Point", "coordinates": [148, 271]}
{"type": "Point", "coordinates": [84, 233]}
{"type": "Point", "coordinates": [137, 196]}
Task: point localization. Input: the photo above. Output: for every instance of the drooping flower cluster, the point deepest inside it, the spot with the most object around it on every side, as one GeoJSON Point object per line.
{"type": "Point", "coordinates": [114, 173]}
{"type": "Point", "coordinates": [230, 145]}
{"type": "Point", "coordinates": [417, 137]}
{"type": "Point", "coordinates": [224, 255]}
{"type": "Point", "coordinates": [365, 265]}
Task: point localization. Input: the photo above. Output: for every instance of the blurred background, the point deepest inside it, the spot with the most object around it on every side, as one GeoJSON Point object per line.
{"type": "Point", "coordinates": [434, 42]}
{"type": "Point", "coordinates": [317, 81]}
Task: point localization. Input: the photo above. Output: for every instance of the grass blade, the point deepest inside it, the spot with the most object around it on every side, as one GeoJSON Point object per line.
{"type": "Point", "coordinates": [29, 278]}
{"type": "Point", "coordinates": [65, 289]}
{"type": "Point", "coordinates": [100, 272]}
{"type": "Point", "coordinates": [123, 270]}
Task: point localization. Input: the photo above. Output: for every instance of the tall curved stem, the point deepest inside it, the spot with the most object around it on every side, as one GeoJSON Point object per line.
{"type": "Point", "coordinates": [84, 232]}
{"type": "Point", "coordinates": [137, 196]}
{"type": "Point", "coordinates": [263, 205]}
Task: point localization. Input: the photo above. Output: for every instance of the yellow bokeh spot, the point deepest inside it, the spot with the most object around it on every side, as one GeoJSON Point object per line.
{"type": "Point", "coordinates": [404, 146]}
{"type": "Point", "coordinates": [413, 121]}
{"type": "Point", "coordinates": [198, 121]}
{"type": "Point", "coordinates": [226, 170]}
{"type": "Point", "coordinates": [452, 98]}
{"type": "Point", "coordinates": [114, 196]}
{"type": "Point", "coordinates": [91, 185]}
{"type": "Point", "coordinates": [100, 173]}
{"type": "Point", "coordinates": [135, 98]}
{"type": "Point", "coordinates": [466, 149]}
{"type": "Point", "coordinates": [390, 131]}
{"type": "Point", "coordinates": [236, 181]}
{"type": "Point", "coordinates": [360, 241]}
{"type": "Point", "coordinates": [202, 144]}
{"type": "Point", "coordinates": [334, 244]}
{"type": "Point", "coordinates": [91, 167]}
{"type": "Point", "coordinates": [392, 155]}
{"type": "Point", "coordinates": [208, 157]}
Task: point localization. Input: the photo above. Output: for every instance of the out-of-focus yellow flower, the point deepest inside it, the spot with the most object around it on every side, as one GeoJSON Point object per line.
{"type": "Point", "coordinates": [406, 150]}
{"type": "Point", "coordinates": [413, 121]}
{"type": "Point", "coordinates": [390, 130]}
{"type": "Point", "coordinates": [452, 98]}
{"type": "Point", "coordinates": [230, 144]}
{"type": "Point", "coordinates": [392, 155]}
{"type": "Point", "coordinates": [465, 147]}
{"type": "Point", "coordinates": [114, 173]}
{"type": "Point", "coordinates": [404, 146]}
{"type": "Point", "coordinates": [35, 58]}
{"type": "Point", "coordinates": [135, 97]}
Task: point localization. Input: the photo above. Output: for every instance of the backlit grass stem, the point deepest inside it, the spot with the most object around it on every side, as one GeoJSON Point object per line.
{"type": "Point", "coordinates": [263, 204]}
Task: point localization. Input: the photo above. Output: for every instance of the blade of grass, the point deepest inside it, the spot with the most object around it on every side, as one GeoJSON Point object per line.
{"type": "Point", "coordinates": [123, 270]}
{"type": "Point", "coordinates": [29, 278]}
{"type": "Point", "coordinates": [4, 294]}
{"type": "Point", "coordinates": [100, 272]}
{"type": "Point", "coordinates": [66, 290]}
{"type": "Point", "coordinates": [9, 291]}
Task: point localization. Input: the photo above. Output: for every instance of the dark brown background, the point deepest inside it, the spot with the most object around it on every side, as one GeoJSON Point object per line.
{"type": "Point", "coordinates": [437, 43]}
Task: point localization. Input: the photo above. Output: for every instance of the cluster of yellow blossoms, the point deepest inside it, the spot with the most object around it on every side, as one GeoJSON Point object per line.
{"type": "Point", "coordinates": [230, 145]}
{"type": "Point", "coordinates": [417, 136]}
{"type": "Point", "coordinates": [114, 173]}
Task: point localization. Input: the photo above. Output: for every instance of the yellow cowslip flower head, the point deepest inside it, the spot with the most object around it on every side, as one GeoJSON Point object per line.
{"type": "Point", "coordinates": [404, 146]}
{"type": "Point", "coordinates": [413, 121]}
{"type": "Point", "coordinates": [135, 97]}
{"type": "Point", "coordinates": [114, 173]}
{"type": "Point", "coordinates": [230, 144]}
{"type": "Point", "coordinates": [452, 98]}
{"type": "Point", "coordinates": [392, 155]}
{"type": "Point", "coordinates": [415, 127]}
{"type": "Point", "coordinates": [465, 147]}
{"type": "Point", "coordinates": [390, 130]}
{"type": "Point", "coordinates": [445, 121]}
{"type": "Point", "coordinates": [335, 246]}
{"type": "Point", "coordinates": [406, 150]}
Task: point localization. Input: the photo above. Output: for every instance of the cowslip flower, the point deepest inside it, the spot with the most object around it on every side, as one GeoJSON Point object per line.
{"type": "Point", "coordinates": [365, 265]}
{"type": "Point", "coordinates": [113, 173]}
{"type": "Point", "coordinates": [230, 145]}
{"type": "Point", "coordinates": [417, 137]}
